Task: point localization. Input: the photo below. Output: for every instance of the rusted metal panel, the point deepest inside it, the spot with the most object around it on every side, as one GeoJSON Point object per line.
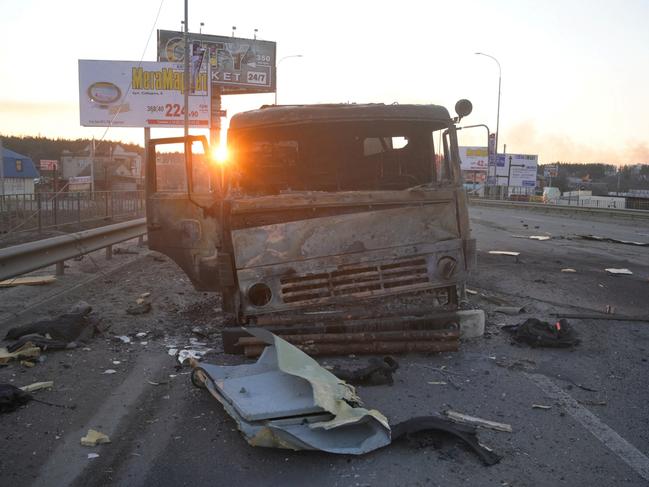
{"type": "Point", "coordinates": [366, 348]}
{"type": "Point", "coordinates": [381, 336]}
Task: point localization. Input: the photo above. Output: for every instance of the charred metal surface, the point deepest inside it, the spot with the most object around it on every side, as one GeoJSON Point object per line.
{"type": "Point", "coordinates": [326, 204]}
{"type": "Point", "coordinates": [365, 254]}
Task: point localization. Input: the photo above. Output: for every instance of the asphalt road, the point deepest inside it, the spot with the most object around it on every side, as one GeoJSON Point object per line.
{"type": "Point", "coordinates": [164, 431]}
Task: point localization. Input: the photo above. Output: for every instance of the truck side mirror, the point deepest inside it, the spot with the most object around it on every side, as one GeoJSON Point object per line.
{"type": "Point", "coordinates": [463, 108]}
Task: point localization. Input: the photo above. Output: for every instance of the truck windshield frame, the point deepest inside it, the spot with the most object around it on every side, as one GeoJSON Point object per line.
{"type": "Point", "coordinates": [335, 156]}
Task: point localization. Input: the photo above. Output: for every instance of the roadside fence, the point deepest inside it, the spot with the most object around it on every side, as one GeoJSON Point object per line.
{"type": "Point", "coordinates": [38, 211]}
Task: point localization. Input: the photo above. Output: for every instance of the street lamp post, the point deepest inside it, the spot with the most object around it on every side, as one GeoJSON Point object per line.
{"type": "Point", "coordinates": [277, 68]}
{"type": "Point", "coordinates": [498, 110]}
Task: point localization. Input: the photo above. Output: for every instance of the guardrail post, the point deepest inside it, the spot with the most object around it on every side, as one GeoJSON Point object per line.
{"type": "Point", "coordinates": [60, 268]}
{"type": "Point", "coordinates": [38, 212]}
{"type": "Point", "coordinates": [54, 208]}
{"type": "Point", "coordinates": [109, 252]}
{"type": "Point", "coordinates": [106, 203]}
{"type": "Point", "coordinates": [79, 208]}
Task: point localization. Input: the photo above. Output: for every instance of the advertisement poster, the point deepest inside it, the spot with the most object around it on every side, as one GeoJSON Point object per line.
{"type": "Point", "coordinates": [141, 94]}
{"type": "Point", "coordinates": [523, 170]}
{"type": "Point", "coordinates": [237, 65]}
{"type": "Point", "coordinates": [474, 158]}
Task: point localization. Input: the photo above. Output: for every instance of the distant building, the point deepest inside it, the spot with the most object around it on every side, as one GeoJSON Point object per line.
{"type": "Point", "coordinates": [18, 173]}
{"type": "Point", "coordinates": [111, 167]}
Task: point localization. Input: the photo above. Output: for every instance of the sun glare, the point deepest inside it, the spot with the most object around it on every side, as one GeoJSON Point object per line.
{"type": "Point", "coordinates": [220, 154]}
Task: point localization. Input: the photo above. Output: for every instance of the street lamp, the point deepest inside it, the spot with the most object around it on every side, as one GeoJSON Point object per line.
{"type": "Point", "coordinates": [498, 111]}
{"type": "Point", "coordinates": [499, 79]}
{"type": "Point", "coordinates": [277, 68]}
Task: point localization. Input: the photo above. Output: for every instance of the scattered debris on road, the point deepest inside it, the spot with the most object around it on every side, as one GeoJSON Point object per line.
{"type": "Point", "coordinates": [619, 272]}
{"type": "Point", "coordinates": [37, 386]}
{"type": "Point", "coordinates": [94, 438]}
{"type": "Point", "coordinates": [568, 269]}
{"type": "Point", "coordinates": [479, 422]}
{"type": "Point", "coordinates": [287, 400]}
{"type": "Point", "coordinates": [109, 371]}
{"type": "Point", "coordinates": [28, 281]}
{"type": "Point", "coordinates": [505, 252]}
{"type": "Point", "coordinates": [600, 316]}
{"type": "Point", "coordinates": [377, 372]}
{"type": "Point", "coordinates": [613, 240]}
{"type": "Point", "coordinates": [510, 310]}
{"type": "Point", "coordinates": [12, 397]}
{"type": "Point", "coordinates": [537, 333]}
{"type": "Point", "coordinates": [61, 332]}
{"type": "Point", "coordinates": [465, 432]}
{"type": "Point", "coordinates": [27, 350]}
{"type": "Point", "coordinates": [533, 237]}
{"type": "Point", "coordinates": [185, 354]}
{"type": "Point", "coordinates": [540, 406]}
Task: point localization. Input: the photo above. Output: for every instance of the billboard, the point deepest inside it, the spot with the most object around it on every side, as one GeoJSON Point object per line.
{"type": "Point", "coordinates": [474, 158]}
{"type": "Point", "coordinates": [48, 164]}
{"type": "Point", "coordinates": [237, 65]}
{"type": "Point", "coordinates": [523, 170]}
{"type": "Point", "coordinates": [551, 170]}
{"type": "Point", "coordinates": [140, 94]}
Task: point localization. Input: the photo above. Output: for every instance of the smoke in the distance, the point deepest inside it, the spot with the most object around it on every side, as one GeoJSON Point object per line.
{"type": "Point", "coordinates": [525, 138]}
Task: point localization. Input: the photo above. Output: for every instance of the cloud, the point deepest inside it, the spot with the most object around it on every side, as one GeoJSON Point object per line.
{"type": "Point", "coordinates": [33, 108]}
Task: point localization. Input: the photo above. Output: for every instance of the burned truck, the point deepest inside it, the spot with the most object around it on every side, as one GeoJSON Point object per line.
{"type": "Point", "coordinates": [317, 205]}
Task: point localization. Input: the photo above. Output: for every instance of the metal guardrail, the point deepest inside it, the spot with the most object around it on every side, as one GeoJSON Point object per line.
{"type": "Point", "coordinates": [580, 210]}
{"type": "Point", "coordinates": [38, 211]}
{"type": "Point", "coordinates": [24, 258]}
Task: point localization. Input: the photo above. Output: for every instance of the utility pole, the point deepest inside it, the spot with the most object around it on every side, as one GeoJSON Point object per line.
{"type": "Point", "coordinates": [2, 168]}
{"type": "Point", "coordinates": [186, 84]}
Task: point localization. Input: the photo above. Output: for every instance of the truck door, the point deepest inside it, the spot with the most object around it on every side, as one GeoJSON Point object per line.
{"type": "Point", "coordinates": [184, 209]}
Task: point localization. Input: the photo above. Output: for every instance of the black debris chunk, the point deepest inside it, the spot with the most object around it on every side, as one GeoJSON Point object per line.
{"type": "Point", "coordinates": [11, 398]}
{"type": "Point", "coordinates": [466, 433]}
{"type": "Point", "coordinates": [65, 328]}
{"type": "Point", "coordinates": [377, 372]}
{"type": "Point", "coordinates": [537, 333]}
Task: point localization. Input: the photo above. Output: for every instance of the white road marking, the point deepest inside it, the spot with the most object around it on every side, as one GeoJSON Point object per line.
{"type": "Point", "coordinates": [612, 440]}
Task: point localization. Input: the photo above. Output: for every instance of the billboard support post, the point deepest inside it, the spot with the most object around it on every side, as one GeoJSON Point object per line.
{"type": "Point", "coordinates": [215, 130]}
{"type": "Point", "coordinates": [147, 139]}
{"type": "Point", "coordinates": [186, 70]}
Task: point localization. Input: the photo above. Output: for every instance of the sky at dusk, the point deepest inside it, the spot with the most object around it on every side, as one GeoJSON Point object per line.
{"type": "Point", "coordinates": [575, 74]}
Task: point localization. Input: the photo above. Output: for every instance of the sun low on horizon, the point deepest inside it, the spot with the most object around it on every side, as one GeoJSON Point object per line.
{"type": "Point", "coordinates": [570, 91]}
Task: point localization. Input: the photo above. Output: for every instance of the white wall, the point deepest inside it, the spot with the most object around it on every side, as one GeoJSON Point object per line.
{"type": "Point", "coordinates": [18, 186]}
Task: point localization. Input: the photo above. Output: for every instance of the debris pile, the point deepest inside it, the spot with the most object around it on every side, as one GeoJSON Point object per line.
{"type": "Point", "coordinates": [287, 400]}
{"type": "Point", "coordinates": [62, 332]}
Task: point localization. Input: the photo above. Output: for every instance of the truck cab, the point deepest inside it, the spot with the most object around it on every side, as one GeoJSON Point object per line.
{"type": "Point", "coordinates": [317, 205]}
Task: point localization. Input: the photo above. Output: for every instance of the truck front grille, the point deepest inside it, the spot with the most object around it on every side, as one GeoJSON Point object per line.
{"type": "Point", "coordinates": [362, 280]}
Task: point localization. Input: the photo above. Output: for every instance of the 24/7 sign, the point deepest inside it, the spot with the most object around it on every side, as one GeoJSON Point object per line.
{"type": "Point", "coordinates": [237, 65]}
